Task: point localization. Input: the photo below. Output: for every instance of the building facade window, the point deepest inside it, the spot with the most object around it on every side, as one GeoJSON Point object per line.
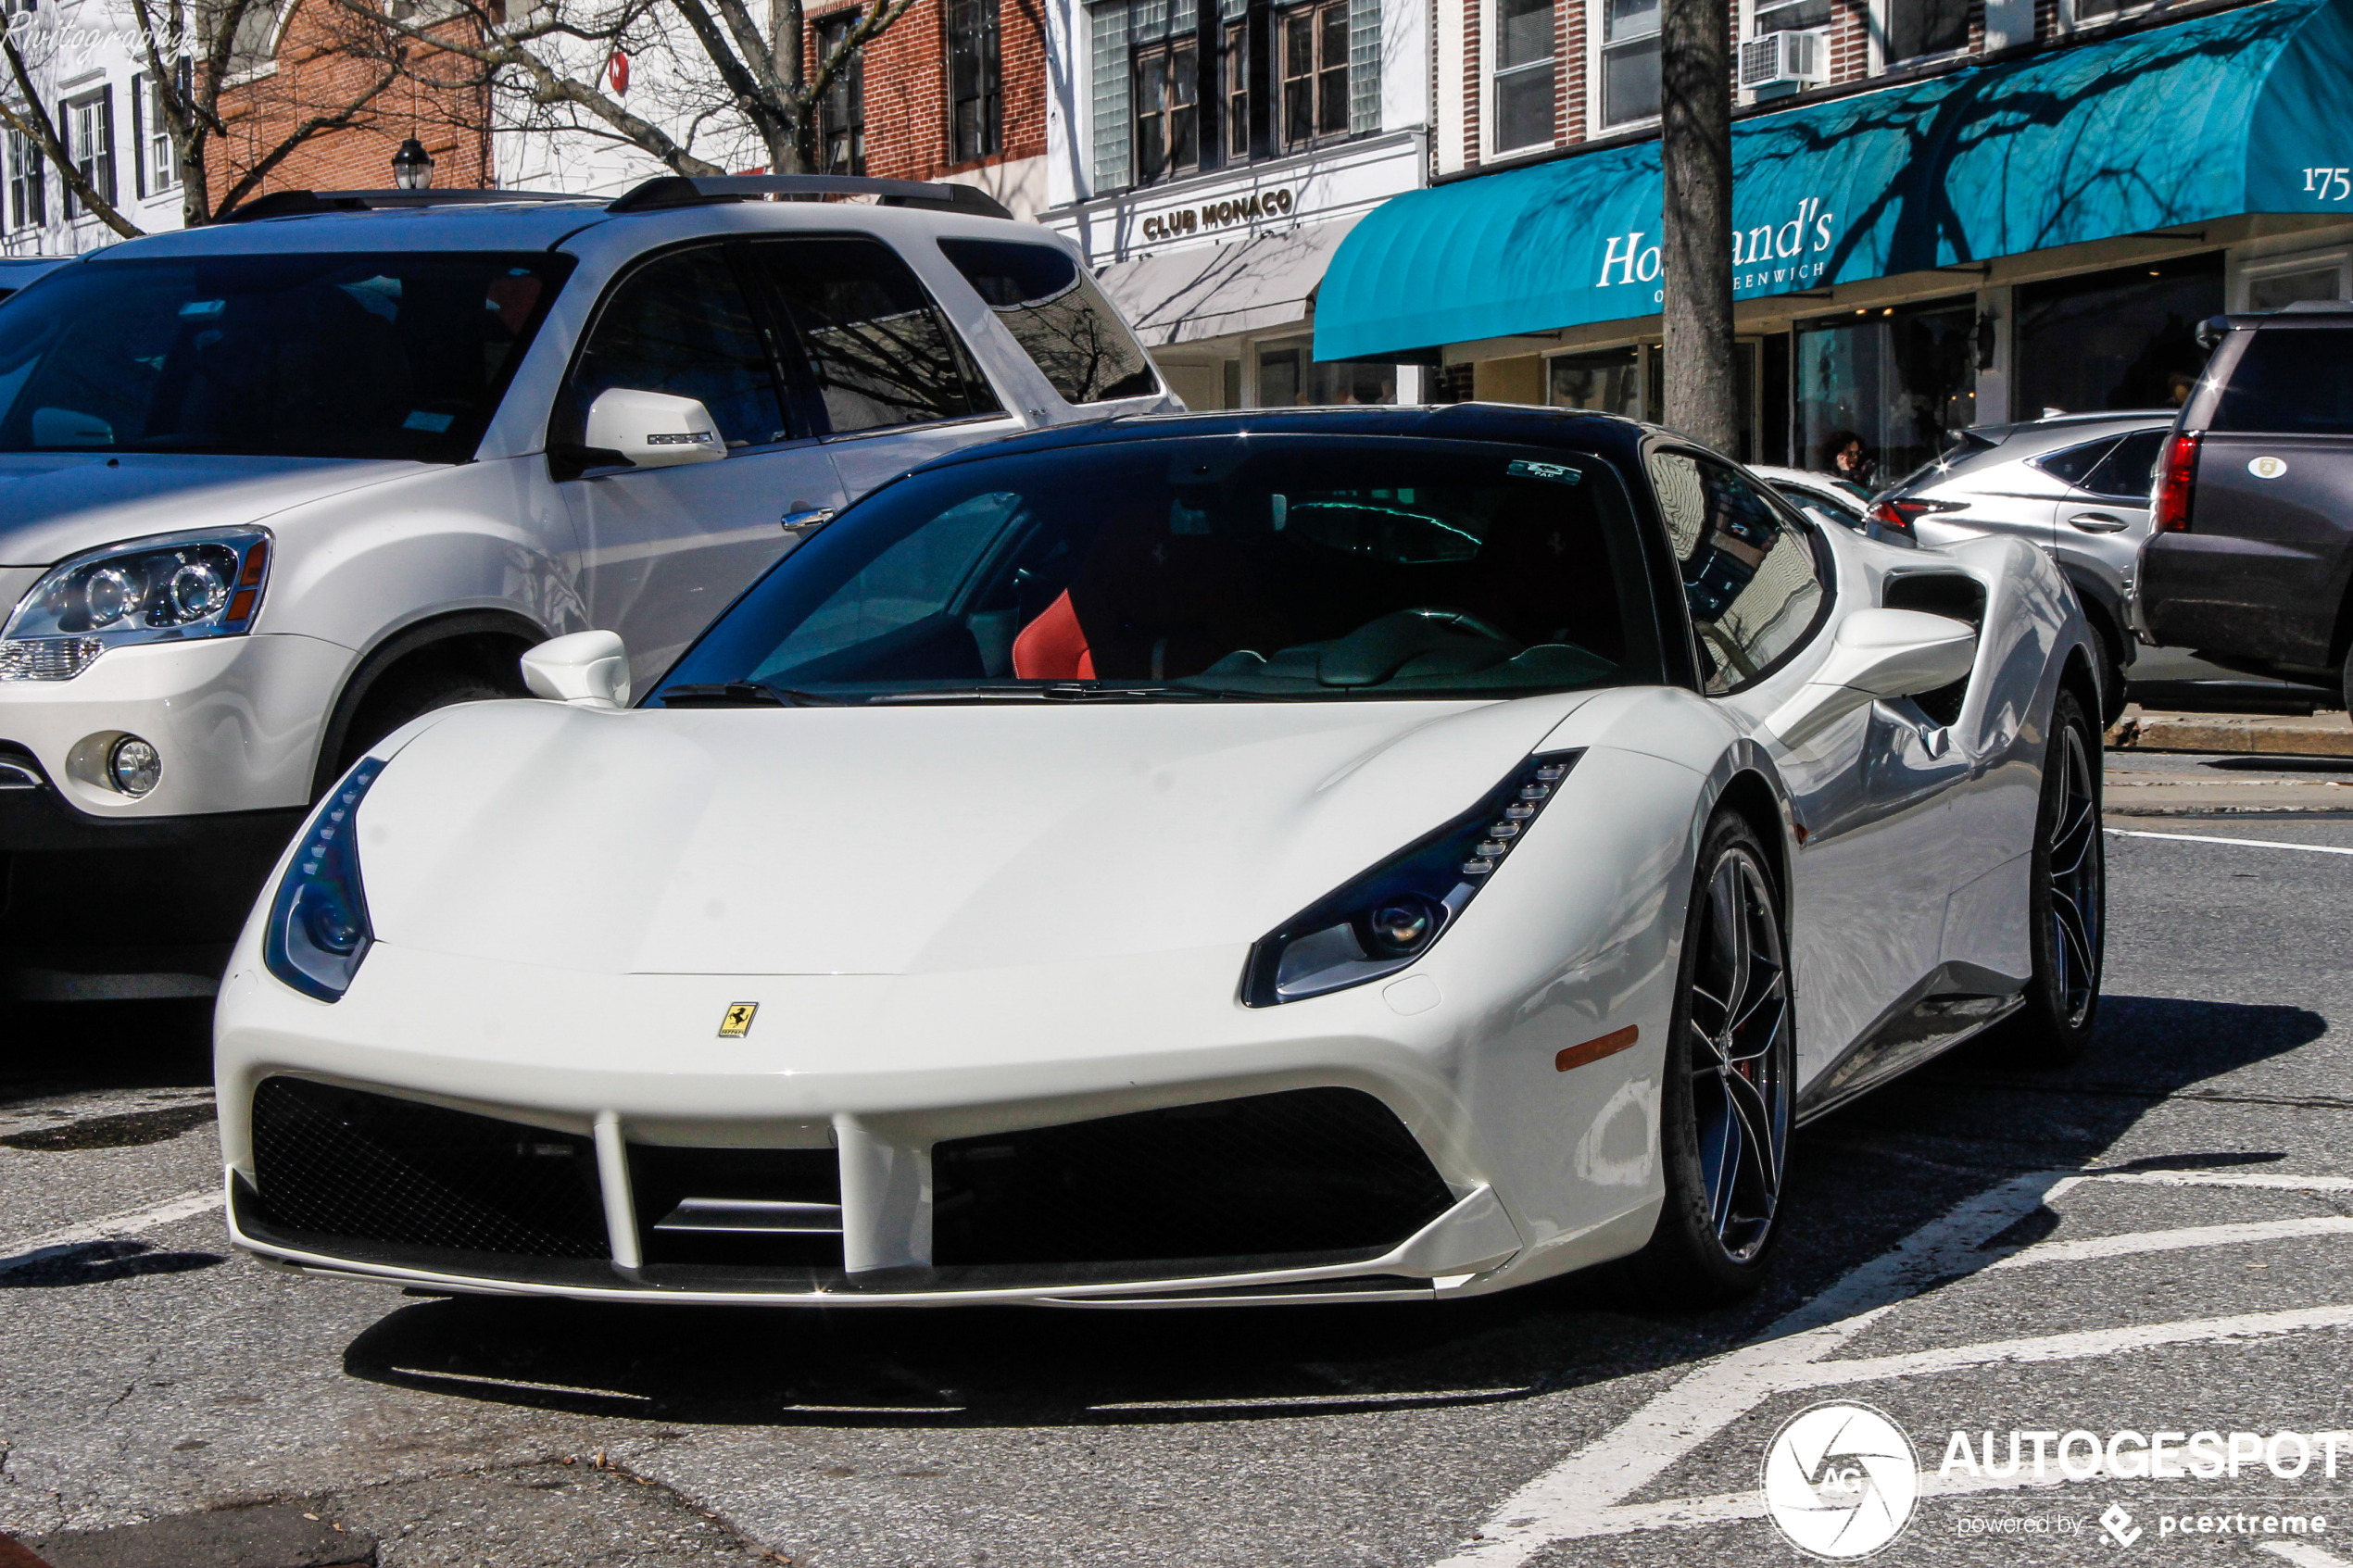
{"type": "Point", "coordinates": [1234, 76]}
{"type": "Point", "coordinates": [88, 124]}
{"type": "Point", "coordinates": [158, 168]}
{"type": "Point", "coordinates": [975, 81]}
{"type": "Point", "coordinates": [1925, 27]}
{"type": "Point", "coordinates": [1630, 61]}
{"type": "Point", "coordinates": [1789, 15]}
{"type": "Point", "coordinates": [28, 184]}
{"type": "Point", "coordinates": [1315, 62]}
{"type": "Point", "coordinates": [1525, 74]}
{"type": "Point", "coordinates": [841, 112]}
{"type": "Point", "coordinates": [1166, 99]}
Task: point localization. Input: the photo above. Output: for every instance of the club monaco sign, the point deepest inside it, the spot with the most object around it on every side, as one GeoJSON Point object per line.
{"type": "Point", "coordinates": [1768, 257]}
{"type": "Point", "coordinates": [1224, 213]}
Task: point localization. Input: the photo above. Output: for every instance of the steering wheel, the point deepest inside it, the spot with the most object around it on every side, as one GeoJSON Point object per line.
{"type": "Point", "coordinates": [1377, 649]}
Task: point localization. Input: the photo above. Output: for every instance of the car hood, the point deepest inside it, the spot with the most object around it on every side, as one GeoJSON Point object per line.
{"type": "Point", "coordinates": [57, 503]}
{"type": "Point", "coordinates": [892, 841]}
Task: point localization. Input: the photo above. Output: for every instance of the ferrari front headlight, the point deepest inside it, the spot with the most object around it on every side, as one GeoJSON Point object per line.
{"type": "Point", "coordinates": [164, 589]}
{"type": "Point", "coordinates": [319, 930]}
{"type": "Point", "coordinates": [1393, 914]}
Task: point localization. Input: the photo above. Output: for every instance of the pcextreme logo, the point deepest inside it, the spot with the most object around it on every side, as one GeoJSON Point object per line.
{"type": "Point", "coordinates": [1840, 1481]}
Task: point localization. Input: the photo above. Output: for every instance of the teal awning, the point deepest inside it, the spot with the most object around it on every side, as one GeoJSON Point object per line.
{"type": "Point", "coordinates": [2241, 112]}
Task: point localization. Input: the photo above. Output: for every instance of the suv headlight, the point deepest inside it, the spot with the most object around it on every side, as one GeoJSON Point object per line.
{"type": "Point", "coordinates": [319, 928]}
{"type": "Point", "coordinates": [164, 589]}
{"type": "Point", "coordinates": [1393, 914]}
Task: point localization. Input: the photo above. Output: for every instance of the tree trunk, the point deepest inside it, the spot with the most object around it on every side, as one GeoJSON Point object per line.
{"type": "Point", "coordinates": [1696, 151]}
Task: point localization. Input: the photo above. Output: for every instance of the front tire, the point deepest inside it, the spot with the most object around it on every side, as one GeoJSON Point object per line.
{"type": "Point", "coordinates": [2067, 894]}
{"type": "Point", "coordinates": [1730, 1070]}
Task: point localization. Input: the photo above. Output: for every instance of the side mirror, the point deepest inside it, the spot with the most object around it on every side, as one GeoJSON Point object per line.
{"type": "Point", "coordinates": [587, 669]}
{"type": "Point", "coordinates": [1880, 653]}
{"type": "Point", "coordinates": [653, 429]}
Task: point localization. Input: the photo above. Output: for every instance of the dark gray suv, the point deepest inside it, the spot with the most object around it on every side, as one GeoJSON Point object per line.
{"type": "Point", "coordinates": [2252, 561]}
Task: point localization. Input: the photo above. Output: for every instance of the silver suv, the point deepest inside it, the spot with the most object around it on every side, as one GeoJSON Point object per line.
{"type": "Point", "coordinates": [272, 488]}
{"type": "Point", "coordinates": [2077, 485]}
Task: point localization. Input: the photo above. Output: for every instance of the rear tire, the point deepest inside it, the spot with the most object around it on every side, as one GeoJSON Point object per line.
{"type": "Point", "coordinates": [2066, 895]}
{"type": "Point", "coordinates": [1731, 1082]}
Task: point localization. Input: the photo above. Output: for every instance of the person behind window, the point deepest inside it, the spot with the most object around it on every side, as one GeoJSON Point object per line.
{"type": "Point", "coordinates": [1849, 459]}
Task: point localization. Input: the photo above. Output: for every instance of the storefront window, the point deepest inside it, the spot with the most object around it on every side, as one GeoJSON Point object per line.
{"type": "Point", "coordinates": [2122, 339]}
{"type": "Point", "coordinates": [1608, 382]}
{"type": "Point", "coordinates": [2280, 289]}
{"type": "Point", "coordinates": [1900, 381]}
{"type": "Point", "coordinates": [1288, 377]}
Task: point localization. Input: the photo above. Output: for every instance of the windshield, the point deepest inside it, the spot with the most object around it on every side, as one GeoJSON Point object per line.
{"type": "Point", "coordinates": [335, 355]}
{"type": "Point", "coordinates": [1253, 566]}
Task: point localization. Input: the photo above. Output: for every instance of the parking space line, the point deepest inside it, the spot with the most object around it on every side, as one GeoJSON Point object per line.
{"type": "Point", "coordinates": [131, 1222]}
{"type": "Point", "coordinates": [2304, 1556]}
{"type": "Point", "coordinates": [2130, 1242]}
{"type": "Point", "coordinates": [2248, 843]}
{"type": "Point", "coordinates": [1584, 1494]}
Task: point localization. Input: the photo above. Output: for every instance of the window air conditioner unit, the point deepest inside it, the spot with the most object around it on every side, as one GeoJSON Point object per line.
{"type": "Point", "coordinates": [1785, 61]}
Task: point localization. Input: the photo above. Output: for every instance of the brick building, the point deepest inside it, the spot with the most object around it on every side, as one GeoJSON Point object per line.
{"type": "Point", "coordinates": [320, 63]}
{"type": "Point", "coordinates": [2008, 206]}
{"type": "Point", "coordinates": [955, 90]}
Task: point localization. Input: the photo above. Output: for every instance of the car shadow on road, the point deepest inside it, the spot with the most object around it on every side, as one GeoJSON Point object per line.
{"type": "Point", "coordinates": [1863, 1178]}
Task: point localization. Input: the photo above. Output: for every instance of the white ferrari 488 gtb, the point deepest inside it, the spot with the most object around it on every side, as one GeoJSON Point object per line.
{"type": "Point", "coordinates": [1362, 855]}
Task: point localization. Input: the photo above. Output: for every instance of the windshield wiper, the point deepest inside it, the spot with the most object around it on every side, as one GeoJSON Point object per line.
{"type": "Point", "coordinates": [743, 694]}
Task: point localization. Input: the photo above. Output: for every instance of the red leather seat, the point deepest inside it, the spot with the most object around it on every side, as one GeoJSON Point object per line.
{"type": "Point", "coordinates": [1053, 647]}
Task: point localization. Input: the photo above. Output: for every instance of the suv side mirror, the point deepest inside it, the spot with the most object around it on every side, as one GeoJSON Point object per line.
{"type": "Point", "coordinates": [587, 669]}
{"type": "Point", "coordinates": [653, 429]}
{"type": "Point", "coordinates": [1880, 653]}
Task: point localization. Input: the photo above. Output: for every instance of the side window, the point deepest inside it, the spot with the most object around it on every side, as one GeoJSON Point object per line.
{"type": "Point", "coordinates": [2130, 472]}
{"type": "Point", "coordinates": [1058, 316]}
{"type": "Point", "coordinates": [680, 324]}
{"type": "Point", "coordinates": [2073, 465]}
{"type": "Point", "coordinates": [881, 352]}
{"type": "Point", "coordinates": [1748, 575]}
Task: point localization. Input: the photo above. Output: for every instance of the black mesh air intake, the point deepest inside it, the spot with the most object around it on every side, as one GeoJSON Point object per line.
{"type": "Point", "coordinates": [339, 1164]}
{"type": "Point", "coordinates": [1305, 1170]}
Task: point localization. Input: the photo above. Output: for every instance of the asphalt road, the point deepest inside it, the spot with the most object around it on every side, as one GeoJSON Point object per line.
{"type": "Point", "coordinates": [2159, 1239]}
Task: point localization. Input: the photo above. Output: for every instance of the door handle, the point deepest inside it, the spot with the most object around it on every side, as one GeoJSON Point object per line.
{"type": "Point", "coordinates": [800, 523]}
{"type": "Point", "coordinates": [2098, 522]}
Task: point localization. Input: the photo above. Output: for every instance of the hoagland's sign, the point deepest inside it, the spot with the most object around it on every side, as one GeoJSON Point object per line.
{"type": "Point", "coordinates": [1222, 214]}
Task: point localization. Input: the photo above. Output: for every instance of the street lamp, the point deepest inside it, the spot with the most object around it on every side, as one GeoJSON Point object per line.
{"type": "Point", "coordinates": [412, 166]}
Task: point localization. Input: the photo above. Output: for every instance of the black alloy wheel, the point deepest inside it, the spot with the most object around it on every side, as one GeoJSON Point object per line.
{"type": "Point", "coordinates": [2067, 894]}
{"type": "Point", "coordinates": [1730, 1071]}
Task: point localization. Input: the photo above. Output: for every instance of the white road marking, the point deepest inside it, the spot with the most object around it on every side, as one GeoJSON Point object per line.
{"type": "Point", "coordinates": [2130, 1242]}
{"type": "Point", "coordinates": [1583, 1496]}
{"type": "Point", "coordinates": [2227, 1179]}
{"type": "Point", "coordinates": [2249, 843]}
{"type": "Point", "coordinates": [131, 1222]}
{"type": "Point", "coordinates": [2304, 1556]}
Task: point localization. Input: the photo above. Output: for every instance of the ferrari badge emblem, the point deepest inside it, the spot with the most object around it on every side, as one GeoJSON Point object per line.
{"type": "Point", "coordinates": [738, 1021]}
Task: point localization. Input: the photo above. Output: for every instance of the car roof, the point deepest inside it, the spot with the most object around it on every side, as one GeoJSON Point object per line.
{"type": "Point", "coordinates": [522, 225]}
{"type": "Point", "coordinates": [1574, 430]}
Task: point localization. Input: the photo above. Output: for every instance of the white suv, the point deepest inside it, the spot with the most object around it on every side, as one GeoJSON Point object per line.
{"type": "Point", "coordinates": [270, 489]}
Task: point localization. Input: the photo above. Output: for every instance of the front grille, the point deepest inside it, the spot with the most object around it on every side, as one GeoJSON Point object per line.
{"type": "Point", "coordinates": [737, 1207]}
{"type": "Point", "coordinates": [1303, 1172]}
{"type": "Point", "coordinates": [344, 1165]}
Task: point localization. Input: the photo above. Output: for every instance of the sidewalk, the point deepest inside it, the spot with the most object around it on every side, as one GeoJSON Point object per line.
{"type": "Point", "coordinates": [2229, 765]}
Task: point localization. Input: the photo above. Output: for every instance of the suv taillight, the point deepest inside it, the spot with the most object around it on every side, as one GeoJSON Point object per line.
{"type": "Point", "coordinates": [1901, 514]}
{"type": "Point", "coordinates": [2173, 506]}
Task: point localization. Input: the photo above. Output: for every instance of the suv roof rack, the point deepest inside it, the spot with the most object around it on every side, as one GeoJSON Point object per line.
{"type": "Point", "coordinates": [686, 190]}
{"type": "Point", "coordinates": [296, 204]}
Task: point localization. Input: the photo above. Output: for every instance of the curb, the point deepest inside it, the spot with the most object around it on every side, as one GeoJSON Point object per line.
{"type": "Point", "coordinates": [2321, 734]}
